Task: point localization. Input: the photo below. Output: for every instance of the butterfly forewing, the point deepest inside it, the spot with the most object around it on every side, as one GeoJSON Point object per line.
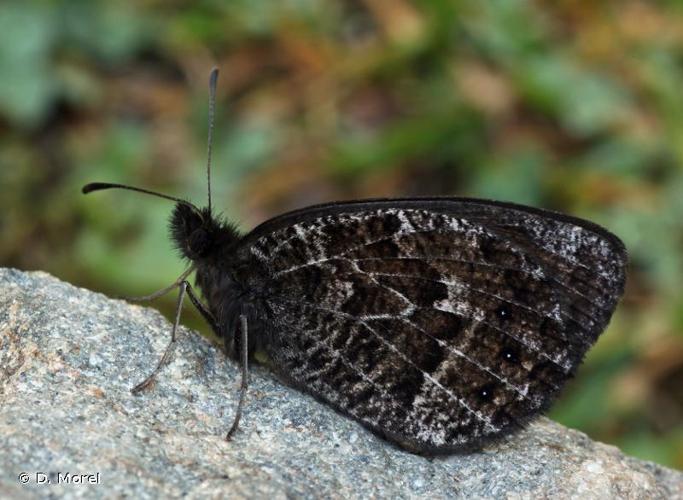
{"type": "Point", "coordinates": [438, 324]}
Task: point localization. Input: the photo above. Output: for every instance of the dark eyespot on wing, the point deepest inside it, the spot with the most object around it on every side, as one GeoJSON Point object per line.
{"type": "Point", "coordinates": [435, 328]}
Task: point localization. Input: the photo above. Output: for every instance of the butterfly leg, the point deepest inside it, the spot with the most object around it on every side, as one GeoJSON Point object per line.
{"type": "Point", "coordinates": [244, 358]}
{"type": "Point", "coordinates": [203, 310]}
{"type": "Point", "coordinates": [167, 353]}
{"type": "Point", "coordinates": [163, 291]}
{"type": "Point", "coordinates": [245, 375]}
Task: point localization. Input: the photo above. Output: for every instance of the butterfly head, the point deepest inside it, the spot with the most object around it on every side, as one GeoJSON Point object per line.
{"type": "Point", "coordinates": [194, 231]}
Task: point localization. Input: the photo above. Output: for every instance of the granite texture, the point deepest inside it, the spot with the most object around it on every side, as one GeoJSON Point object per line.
{"type": "Point", "coordinates": [68, 358]}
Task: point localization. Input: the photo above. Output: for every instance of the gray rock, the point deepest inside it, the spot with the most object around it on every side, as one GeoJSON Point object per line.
{"type": "Point", "coordinates": [68, 358]}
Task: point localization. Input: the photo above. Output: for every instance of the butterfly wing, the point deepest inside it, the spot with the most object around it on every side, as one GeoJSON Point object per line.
{"type": "Point", "coordinates": [439, 324]}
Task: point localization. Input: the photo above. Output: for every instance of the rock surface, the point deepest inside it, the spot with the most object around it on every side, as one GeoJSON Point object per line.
{"type": "Point", "coordinates": [68, 358]}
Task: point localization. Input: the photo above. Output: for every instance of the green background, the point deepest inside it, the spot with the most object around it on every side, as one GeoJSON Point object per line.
{"type": "Point", "coordinates": [568, 105]}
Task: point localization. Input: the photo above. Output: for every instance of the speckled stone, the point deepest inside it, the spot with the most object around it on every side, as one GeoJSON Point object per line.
{"type": "Point", "coordinates": [68, 358]}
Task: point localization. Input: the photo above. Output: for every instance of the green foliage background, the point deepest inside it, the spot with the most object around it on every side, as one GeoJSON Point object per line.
{"type": "Point", "coordinates": [568, 105]}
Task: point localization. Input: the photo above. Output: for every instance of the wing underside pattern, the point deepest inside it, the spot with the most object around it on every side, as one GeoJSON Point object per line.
{"type": "Point", "coordinates": [438, 330]}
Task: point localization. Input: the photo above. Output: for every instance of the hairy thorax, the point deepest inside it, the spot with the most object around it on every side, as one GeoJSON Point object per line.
{"type": "Point", "coordinates": [228, 297]}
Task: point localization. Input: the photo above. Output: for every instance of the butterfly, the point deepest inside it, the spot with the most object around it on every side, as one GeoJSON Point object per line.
{"type": "Point", "coordinates": [440, 324]}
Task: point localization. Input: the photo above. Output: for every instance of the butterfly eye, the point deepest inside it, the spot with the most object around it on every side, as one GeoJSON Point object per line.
{"type": "Point", "coordinates": [199, 242]}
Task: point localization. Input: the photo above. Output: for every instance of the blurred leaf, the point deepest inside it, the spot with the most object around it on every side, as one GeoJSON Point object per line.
{"type": "Point", "coordinates": [515, 177]}
{"type": "Point", "coordinates": [660, 449]}
{"type": "Point", "coordinates": [27, 85]}
{"type": "Point", "coordinates": [113, 31]}
{"type": "Point", "coordinates": [586, 408]}
{"type": "Point", "coordinates": [404, 140]}
{"type": "Point", "coordinates": [586, 103]}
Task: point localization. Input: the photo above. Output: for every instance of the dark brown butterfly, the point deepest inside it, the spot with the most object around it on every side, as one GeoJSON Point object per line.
{"type": "Point", "coordinates": [438, 323]}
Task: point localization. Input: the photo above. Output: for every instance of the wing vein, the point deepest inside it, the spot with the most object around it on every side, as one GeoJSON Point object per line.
{"type": "Point", "coordinates": [391, 346]}
{"type": "Point", "coordinates": [489, 294]}
{"type": "Point", "coordinates": [502, 379]}
{"type": "Point", "coordinates": [340, 255]}
{"type": "Point", "coordinates": [486, 323]}
{"type": "Point", "coordinates": [326, 345]}
{"type": "Point", "coordinates": [430, 258]}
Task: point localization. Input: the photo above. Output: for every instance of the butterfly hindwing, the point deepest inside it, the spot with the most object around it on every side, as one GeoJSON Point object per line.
{"type": "Point", "coordinates": [441, 324]}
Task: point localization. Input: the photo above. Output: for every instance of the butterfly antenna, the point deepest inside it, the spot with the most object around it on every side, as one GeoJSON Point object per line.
{"type": "Point", "coordinates": [99, 186]}
{"type": "Point", "coordinates": [213, 79]}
